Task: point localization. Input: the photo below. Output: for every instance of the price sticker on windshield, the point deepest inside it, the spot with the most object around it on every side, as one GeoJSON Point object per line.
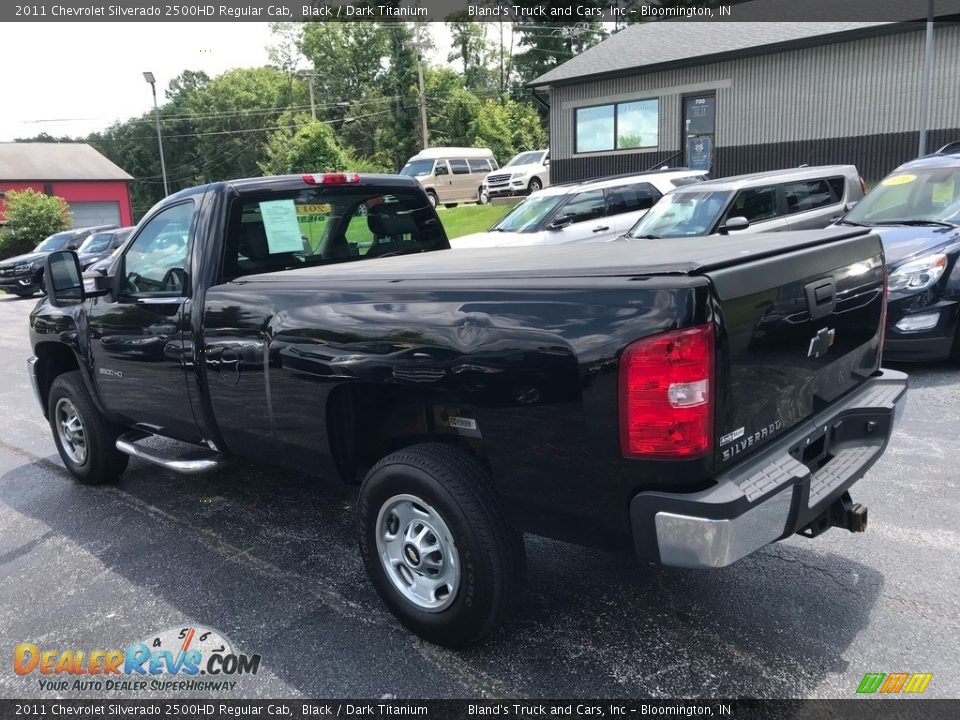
{"type": "Point", "coordinates": [899, 180]}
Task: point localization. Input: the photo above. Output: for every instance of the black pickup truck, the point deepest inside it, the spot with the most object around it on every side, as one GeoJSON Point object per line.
{"type": "Point", "coordinates": [689, 401]}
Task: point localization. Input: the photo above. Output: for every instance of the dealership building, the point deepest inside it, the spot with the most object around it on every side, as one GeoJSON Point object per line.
{"type": "Point", "coordinates": [97, 191]}
{"type": "Point", "coordinates": [738, 97]}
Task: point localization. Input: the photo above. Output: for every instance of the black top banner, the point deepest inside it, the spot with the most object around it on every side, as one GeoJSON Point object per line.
{"type": "Point", "coordinates": [560, 12]}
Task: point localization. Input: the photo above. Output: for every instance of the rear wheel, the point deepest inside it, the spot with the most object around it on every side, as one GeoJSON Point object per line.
{"type": "Point", "coordinates": [437, 546]}
{"type": "Point", "coordinates": [84, 438]}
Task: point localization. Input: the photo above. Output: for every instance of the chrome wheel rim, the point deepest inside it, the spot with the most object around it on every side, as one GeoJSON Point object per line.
{"type": "Point", "coordinates": [70, 430]}
{"type": "Point", "coordinates": [418, 553]}
{"type": "Point", "coordinates": [534, 186]}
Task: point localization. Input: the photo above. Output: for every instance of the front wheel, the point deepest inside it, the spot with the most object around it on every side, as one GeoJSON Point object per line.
{"type": "Point", "coordinates": [432, 197]}
{"type": "Point", "coordinates": [482, 197]}
{"type": "Point", "coordinates": [437, 546]}
{"type": "Point", "coordinates": [84, 438]}
{"type": "Point", "coordinates": [534, 185]}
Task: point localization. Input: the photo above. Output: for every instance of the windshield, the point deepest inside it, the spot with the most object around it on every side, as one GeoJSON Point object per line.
{"type": "Point", "coordinates": [527, 158]}
{"type": "Point", "coordinates": [417, 168]}
{"type": "Point", "coordinates": [55, 242]}
{"type": "Point", "coordinates": [529, 214]}
{"type": "Point", "coordinates": [682, 214]}
{"type": "Point", "coordinates": [98, 242]}
{"type": "Point", "coordinates": [932, 195]}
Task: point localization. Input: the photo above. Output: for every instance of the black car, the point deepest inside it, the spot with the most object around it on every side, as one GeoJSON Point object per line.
{"type": "Point", "coordinates": [916, 212]}
{"type": "Point", "coordinates": [101, 245]}
{"type": "Point", "coordinates": [23, 275]}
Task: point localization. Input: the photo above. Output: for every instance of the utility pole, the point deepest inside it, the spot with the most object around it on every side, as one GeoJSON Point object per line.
{"type": "Point", "coordinates": [925, 81]}
{"type": "Point", "coordinates": [423, 92]}
{"type": "Point", "coordinates": [310, 78]}
{"type": "Point", "coordinates": [148, 76]}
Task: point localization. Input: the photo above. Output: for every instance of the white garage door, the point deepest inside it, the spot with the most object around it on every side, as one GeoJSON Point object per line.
{"type": "Point", "coordinates": [86, 214]}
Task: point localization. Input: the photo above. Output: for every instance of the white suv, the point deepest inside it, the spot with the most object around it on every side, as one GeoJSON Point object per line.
{"type": "Point", "coordinates": [526, 172]}
{"type": "Point", "coordinates": [588, 211]}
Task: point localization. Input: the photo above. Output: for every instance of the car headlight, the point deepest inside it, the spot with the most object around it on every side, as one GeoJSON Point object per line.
{"type": "Point", "coordinates": [517, 175]}
{"type": "Point", "coordinates": [918, 274]}
{"type": "Point", "coordinates": [23, 267]}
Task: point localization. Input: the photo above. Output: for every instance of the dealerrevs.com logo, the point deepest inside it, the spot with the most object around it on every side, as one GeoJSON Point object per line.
{"type": "Point", "coordinates": [176, 659]}
{"type": "Point", "coordinates": [894, 683]}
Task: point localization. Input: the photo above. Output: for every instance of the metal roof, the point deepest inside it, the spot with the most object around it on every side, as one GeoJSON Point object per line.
{"type": "Point", "coordinates": [651, 46]}
{"type": "Point", "coordinates": [56, 161]}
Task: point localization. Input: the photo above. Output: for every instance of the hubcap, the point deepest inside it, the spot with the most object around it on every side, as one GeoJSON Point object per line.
{"type": "Point", "coordinates": [417, 552]}
{"type": "Point", "coordinates": [73, 439]}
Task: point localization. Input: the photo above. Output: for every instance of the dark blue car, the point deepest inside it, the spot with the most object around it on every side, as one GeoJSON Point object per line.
{"type": "Point", "coordinates": [916, 212]}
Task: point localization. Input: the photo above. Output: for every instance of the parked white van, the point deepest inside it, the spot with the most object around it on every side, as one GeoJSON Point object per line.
{"type": "Point", "coordinates": [526, 172]}
{"type": "Point", "coordinates": [451, 175]}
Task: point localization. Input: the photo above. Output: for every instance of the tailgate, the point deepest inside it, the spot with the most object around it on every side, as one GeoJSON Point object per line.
{"type": "Point", "coordinates": [798, 330]}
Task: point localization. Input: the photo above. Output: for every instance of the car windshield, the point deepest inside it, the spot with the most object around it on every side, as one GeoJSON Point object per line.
{"type": "Point", "coordinates": [55, 242]}
{"type": "Point", "coordinates": [416, 168]}
{"type": "Point", "coordinates": [528, 215]}
{"type": "Point", "coordinates": [527, 158]}
{"type": "Point", "coordinates": [930, 195]}
{"type": "Point", "coordinates": [98, 242]}
{"type": "Point", "coordinates": [683, 213]}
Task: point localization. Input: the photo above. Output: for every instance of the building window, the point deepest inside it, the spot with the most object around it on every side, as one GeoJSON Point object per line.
{"type": "Point", "coordinates": [622, 126]}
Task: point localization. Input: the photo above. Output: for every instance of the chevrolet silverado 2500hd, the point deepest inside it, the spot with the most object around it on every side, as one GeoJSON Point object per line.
{"type": "Point", "coordinates": [690, 401]}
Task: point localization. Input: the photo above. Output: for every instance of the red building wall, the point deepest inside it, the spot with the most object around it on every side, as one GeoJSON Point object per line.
{"type": "Point", "coordinates": [79, 191]}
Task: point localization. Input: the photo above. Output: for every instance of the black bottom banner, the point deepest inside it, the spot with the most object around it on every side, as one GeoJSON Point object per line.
{"type": "Point", "coordinates": [855, 709]}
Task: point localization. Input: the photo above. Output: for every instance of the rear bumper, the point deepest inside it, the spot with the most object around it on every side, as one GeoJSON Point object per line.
{"type": "Point", "coordinates": [772, 494]}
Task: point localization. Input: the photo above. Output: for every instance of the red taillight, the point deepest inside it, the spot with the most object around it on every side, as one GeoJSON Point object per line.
{"type": "Point", "coordinates": [667, 395]}
{"type": "Point", "coordinates": [331, 179]}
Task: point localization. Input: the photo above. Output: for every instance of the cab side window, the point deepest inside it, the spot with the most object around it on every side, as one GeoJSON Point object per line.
{"type": "Point", "coordinates": [631, 198]}
{"type": "Point", "coordinates": [440, 168]}
{"type": "Point", "coordinates": [156, 262]}
{"type": "Point", "coordinates": [755, 204]}
{"type": "Point", "coordinates": [584, 206]}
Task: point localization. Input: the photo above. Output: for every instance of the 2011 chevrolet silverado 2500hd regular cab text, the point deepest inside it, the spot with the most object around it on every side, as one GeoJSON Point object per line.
{"type": "Point", "coordinates": [692, 402]}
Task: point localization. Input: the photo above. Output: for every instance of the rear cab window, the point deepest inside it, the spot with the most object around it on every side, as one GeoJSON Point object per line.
{"type": "Point", "coordinates": [320, 226]}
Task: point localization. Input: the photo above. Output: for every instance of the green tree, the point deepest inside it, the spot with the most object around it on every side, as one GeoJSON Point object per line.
{"type": "Point", "coordinates": [32, 216]}
{"type": "Point", "coordinates": [470, 47]}
{"type": "Point", "coordinates": [306, 146]}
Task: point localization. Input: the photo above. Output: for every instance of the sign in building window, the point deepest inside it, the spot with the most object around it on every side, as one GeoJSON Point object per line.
{"type": "Point", "coordinates": [621, 126]}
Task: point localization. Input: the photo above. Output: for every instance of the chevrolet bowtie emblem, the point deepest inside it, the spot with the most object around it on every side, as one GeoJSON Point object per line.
{"type": "Point", "coordinates": [821, 342]}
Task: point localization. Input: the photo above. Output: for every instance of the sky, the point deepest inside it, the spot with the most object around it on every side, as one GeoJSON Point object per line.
{"type": "Point", "coordinates": [76, 78]}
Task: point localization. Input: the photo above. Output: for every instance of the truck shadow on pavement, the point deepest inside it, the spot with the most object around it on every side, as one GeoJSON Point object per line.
{"type": "Point", "coordinates": [270, 559]}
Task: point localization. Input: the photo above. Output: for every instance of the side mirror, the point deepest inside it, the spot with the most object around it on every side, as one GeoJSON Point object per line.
{"type": "Point", "coordinates": [546, 163]}
{"type": "Point", "coordinates": [849, 206]}
{"type": "Point", "coordinates": [62, 278]}
{"type": "Point", "coordinates": [560, 223]}
{"type": "Point", "coordinates": [735, 223]}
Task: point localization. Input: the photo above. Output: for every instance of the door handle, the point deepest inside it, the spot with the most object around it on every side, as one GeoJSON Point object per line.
{"type": "Point", "coordinates": [601, 228]}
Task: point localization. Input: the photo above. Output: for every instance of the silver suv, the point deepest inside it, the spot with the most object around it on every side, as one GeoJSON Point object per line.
{"type": "Point", "coordinates": [797, 199]}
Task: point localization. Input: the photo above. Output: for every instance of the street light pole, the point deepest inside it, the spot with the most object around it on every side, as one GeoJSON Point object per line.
{"type": "Point", "coordinates": [148, 76]}
{"type": "Point", "coordinates": [311, 77]}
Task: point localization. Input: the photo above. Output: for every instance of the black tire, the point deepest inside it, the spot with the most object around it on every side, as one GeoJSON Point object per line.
{"type": "Point", "coordinates": [534, 185]}
{"type": "Point", "coordinates": [482, 197]}
{"type": "Point", "coordinates": [450, 206]}
{"type": "Point", "coordinates": [24, 294]}
{"type": "Point", "coordinates": [102, 462]}
{"type": "Point", "coordinates": [432, 197]}
{"type": "Point", "coordinates": [491, 554]}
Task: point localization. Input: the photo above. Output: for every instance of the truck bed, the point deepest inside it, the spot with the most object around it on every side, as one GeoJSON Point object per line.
{"type": "Point", "coordinates": [667, 256]}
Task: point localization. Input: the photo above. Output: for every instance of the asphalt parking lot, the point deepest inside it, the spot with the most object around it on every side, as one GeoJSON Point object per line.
{"type": "Point", "coordinates": [270, 559]}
